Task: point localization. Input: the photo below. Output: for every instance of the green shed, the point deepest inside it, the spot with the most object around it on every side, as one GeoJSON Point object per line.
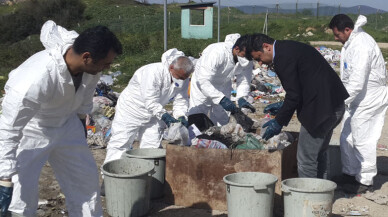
{"type": "Point", "coordinates": [197, 20]}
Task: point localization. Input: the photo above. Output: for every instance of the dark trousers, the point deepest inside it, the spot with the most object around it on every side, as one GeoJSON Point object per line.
{"type": "Point", "coordinates": [312, 156]}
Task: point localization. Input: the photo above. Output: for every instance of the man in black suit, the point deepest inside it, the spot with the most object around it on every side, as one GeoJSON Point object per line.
{"type": "Point", "coordinates": [313, 90]}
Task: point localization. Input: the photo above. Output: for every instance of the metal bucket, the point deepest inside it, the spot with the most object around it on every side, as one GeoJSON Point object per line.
{"type": "Point", "coordinates": [157, 156]}
{"type": "Point", "coordinates": [127, 186]}
{"type": "Point", "coordinates": [250, 194]}
{"type": "Point", "coordinates": [308, 197]}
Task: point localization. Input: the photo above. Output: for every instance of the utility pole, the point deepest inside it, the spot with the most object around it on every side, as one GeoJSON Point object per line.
{"type": "Point", "coordinates": [228, 13]}
{"type": "Point", "coordinates": [165, 25]}
{"type": "Point", "coordinates": [265, 29]}
{"type": "Point", "coordinates": [317, 9]}
{"type": "Point", "coordinates": [359, 10]}
{"type": "Point", "coordinates": [296, 7]}
{"type": "Point", "coordinates": [339, 8]}
{"type": "Point", "coordinates": [277, 9]}
{"type": "Point", "coordinates": [219, 20]}
{"type": "Point", "coordinates": [377, 12]}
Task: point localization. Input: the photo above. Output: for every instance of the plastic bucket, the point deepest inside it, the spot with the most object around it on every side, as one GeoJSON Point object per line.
{"type": "Point", "coordinates": [250, 194]}
{"type": "Point", "coordinates": [308, 197]}
{"type": "Point", "coordinates": [156, 156]}
{"type": "Point", "coordinates": [127, 186]}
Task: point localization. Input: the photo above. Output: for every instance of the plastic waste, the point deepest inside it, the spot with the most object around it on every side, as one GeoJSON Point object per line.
{"type": "Point", "coordinates": [251, 143]}
{"type": "Point", "coordinates": [205, 143]}
{"type": "Point", "coordinates": [178, 134]}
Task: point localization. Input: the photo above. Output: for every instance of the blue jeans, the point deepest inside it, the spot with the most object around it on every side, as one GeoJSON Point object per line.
{"type": "Point", "coordinates": [311, 155]}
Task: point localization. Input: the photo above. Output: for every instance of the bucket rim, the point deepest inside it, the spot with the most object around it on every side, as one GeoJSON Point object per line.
{"type": "Point", "coordinates": [148, 172]}
{"type": "Point", "coordinates": [156, 155]}
{"type": "Point", "coordinates": [252, 184]}
{"type": "Point", "coordinates": [286, 188]}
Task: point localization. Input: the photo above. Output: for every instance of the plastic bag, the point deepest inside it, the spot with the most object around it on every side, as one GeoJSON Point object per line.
{"type": "Point", "coordinates": [178, 134]}
{"type": "Point", "coordinates": [205, 143]}
{"type": "Point", "coordinates": [251, 143]}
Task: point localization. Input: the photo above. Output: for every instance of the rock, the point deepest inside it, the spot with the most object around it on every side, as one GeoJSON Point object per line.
{"type": "Point", "coordinates": [328, 31]}
{"type": "Point", "coordinates": [309, 29]}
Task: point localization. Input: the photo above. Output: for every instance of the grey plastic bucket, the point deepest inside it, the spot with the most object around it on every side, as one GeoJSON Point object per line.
{"type": "Point", "coordinates": [127, 186]}
{"type": "Point", "coordinates": [250, 194]}
{"type": "Point", "coordinates": [308, 197]}
{"type": "Point", "coordinates": [158, 157]}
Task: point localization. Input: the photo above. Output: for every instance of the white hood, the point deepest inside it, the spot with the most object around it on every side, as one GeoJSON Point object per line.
{"type": "Point", "coordinates": [53, 36]}
{"type": "Point", "coordinates": [171, 55]}
{"type": "Point", "coordinates": [232, 38]}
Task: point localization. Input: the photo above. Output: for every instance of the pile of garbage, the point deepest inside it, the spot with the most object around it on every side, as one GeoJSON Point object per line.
{"type": "Point", "coordinates": [240, 133]}
{"type": "Point", "coordinates": [99, 121]}
{"type": "Point", "coordinates": [333, 57]}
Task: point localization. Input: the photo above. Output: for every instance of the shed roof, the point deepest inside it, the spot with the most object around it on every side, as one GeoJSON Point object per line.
{"type": "Point", "coordinates": [203, 4]}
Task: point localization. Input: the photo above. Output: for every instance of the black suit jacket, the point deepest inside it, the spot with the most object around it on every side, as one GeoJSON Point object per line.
{"type": "Point", "coordinates": [312, 87]}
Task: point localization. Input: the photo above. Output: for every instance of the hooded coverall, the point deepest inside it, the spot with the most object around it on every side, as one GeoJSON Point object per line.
{"type": "Point", "coordinates": [39, 123]}
{"type": "Point", "coordinates": [363, 73]}
{"type": "Point", "coordinates": [140, 106]}
{"type": "Point", "coordinates": [212, 80]}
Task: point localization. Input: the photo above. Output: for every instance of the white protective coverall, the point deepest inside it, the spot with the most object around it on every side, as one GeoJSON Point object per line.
{"type": "Point", "coordinates": [363, 74]}
{"type": "Point", "coordinates": [140, 106]}
{"type": "Point", "coordinates": [39, 123]}
{"type": "Point", "coordinates": [212, 80]}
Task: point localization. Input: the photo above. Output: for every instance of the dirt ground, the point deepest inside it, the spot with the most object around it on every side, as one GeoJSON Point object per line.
{"type": "Point", "coordinates": [52, 200]}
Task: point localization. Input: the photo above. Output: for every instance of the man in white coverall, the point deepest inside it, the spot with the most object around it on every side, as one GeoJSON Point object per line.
{"type": "Point", "coordinates": [363, 74]}
{"type": "Point", "coordinates": [211, 83]}
{"type": "Point", "coordinates": [140, 108]}
{"type": "Point", "coordinates": [45, 98]}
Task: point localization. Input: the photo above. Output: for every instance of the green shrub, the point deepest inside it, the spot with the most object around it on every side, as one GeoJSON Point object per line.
{"type": "Point", "coordinates": [30, 16]}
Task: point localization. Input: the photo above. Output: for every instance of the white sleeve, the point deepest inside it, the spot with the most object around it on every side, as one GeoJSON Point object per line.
{"type": "Point", "coordinates": [181, 101]}
{"type": "Point", "coordinates": [17, 112]}
{"type": "Point", "coordinates": [243, 80]}
{"type": "Point", "coordinates": [87, 104]}
{"type": "Point", "coordinates": [150, 90]}
{"type": "Point", "coordinates": [360, 64]}
{"type": "Point", "coordinates": [211, 63]}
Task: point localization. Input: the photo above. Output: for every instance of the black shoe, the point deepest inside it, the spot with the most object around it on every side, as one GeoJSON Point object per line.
{"type": "Point", "coordinates": [357, 188]}
{"type": "Point", "coordinates": [102, 192]}
{"type": "Point", "coordinates": [344, 179]}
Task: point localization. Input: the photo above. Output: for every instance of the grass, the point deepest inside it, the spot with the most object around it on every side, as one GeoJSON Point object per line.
{"type": "Point", "coordinates": [140, 29]}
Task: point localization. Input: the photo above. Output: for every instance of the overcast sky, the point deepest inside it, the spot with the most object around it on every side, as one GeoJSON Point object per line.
{"type": "Point", "coordinates": [379, 4]}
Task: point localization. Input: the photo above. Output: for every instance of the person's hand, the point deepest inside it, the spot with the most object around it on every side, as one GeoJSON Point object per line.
{"type": "Point", "coordinates": [228, 105]}
{"type": "Point", "coordinates": [273, 128]}
{"type": "Point", "coordinates": [273, 108]}
{"type": "Point", "coordinates": [183, 120]}
{"type": "Point", "coordinates": [5, 197]}
{"type": "Point", "coordinates": [242, 103]}
{"type": "Point", "coordinates": [168, 119]}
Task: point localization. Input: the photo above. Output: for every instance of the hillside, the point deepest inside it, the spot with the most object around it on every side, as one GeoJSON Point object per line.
{"type": "Point", "coordinates": [140, 29]}
{"type": "Point", "coordinates": [323, 10]}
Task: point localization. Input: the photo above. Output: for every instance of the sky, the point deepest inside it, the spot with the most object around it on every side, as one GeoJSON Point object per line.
{"type": "Point", "coordinates": [379, 4]}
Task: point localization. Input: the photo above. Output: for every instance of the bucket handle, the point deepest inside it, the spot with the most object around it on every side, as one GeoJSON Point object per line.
{"type": "Point", "coordinates": [259, 187]}
{"type": "Point", "coordinates": [285, 189]}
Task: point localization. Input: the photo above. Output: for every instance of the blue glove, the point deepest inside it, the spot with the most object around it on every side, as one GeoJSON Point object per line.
{"type": "Point", "coordinates": [5, 199]}
{"type": "Point", "coordinates": [228, 105]}
{"type": "Point", "coordinates": [273, 128]}
{"type": "Point", "coordinates": [242, 103]}
{"type": "Point", "coordinates": [183, 120]}
{"type": "Point", "coordinates": [168, 119]}
{"type": "Point", "coordinates": [273, 108]}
